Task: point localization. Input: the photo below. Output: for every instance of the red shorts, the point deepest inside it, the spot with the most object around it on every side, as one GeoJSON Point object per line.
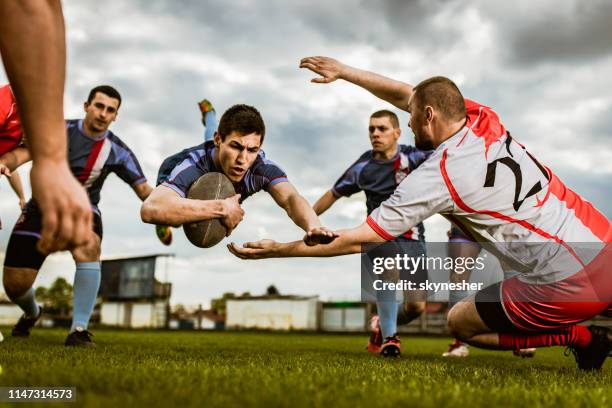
{"type": "Point", "coordinates": [515, 305]}
{"type": "Point", "coordinates": [580, 297]}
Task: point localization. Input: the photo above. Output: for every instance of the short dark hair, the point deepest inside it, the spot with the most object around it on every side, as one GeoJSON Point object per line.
{"type": "Point", "coordinates": [106, 90]}
{"type": "Point", "coordinates": [243, 119]}
{"type": "Point", "coordinates": [441, 93]}
{"type": "Point", "coordinates": [384, 113]}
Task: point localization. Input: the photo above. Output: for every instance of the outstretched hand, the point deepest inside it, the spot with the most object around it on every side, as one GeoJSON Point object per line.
{"type": "Point", "coordinates": [319, 235]}
{"type": "Point", "coordinates": [329, 68]}
{"type": "Point", "coordinates": [254, 250]}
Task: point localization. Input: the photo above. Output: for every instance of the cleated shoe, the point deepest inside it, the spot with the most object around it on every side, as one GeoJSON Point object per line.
{"type": "Point", "coordinates": [205, 106]}
{"type": "Point", "coordinates": [375, 341]}
{"type": "Point", "coordinates": [391, 347]}
{"type": "Point", "coordinates": [457, 349]}
{"type": "Point", "coordinates": [25, 324]}
{"type": "Point", "coordinates": [525, 353]}
{"type": "Point", "coordinates": [164, 233]}
{"type": "Point", "coordinates": [80, 338]}
{"type": "Point", "coordinates": [593, 355]}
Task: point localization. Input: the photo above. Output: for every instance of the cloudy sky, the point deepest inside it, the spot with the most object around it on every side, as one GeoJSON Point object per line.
{"type": "Point", "coordinates": [543, 66]}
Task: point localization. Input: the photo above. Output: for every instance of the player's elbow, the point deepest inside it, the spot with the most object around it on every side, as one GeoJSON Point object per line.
{"type": "Point", "coordinates": [151, 213]}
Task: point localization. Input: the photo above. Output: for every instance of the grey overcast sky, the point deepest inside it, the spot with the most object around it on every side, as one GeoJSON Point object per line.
{"type": "Point", "coordinates": [543, 66]}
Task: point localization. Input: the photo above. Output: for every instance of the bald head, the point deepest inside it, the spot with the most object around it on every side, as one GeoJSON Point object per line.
{"type": "Point", "coordinates": [443, 95]}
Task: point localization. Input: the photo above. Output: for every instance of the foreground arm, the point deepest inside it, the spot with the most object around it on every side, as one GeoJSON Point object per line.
{"type": "Point", "coordinates": [324, 202]}
{"type": "Point", "coordinates": [348, 242]}
{"type": "Point", "coordinates": [165, 207]}
{"type": "Point", "coordinates": [395, 92]}
{"type": "Point", "coordinates": [33, 49]}
{"type": "Point", "coordinates": [302, 214]}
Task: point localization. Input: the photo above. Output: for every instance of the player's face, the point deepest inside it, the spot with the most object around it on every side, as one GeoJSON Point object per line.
{"type": "Point", "coordinates": [423, 138]}
{"type": "Point", "coordinates": [237, 153]}
{"type": "Point", "coordinates": [383, 135]}
{"type": "Point", "coordinates": [100, 113]}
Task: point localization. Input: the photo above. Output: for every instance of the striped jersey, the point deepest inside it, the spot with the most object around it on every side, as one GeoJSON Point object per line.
{"type": "Point", "coordinates": [91, 160]}
{"type": "Point", "coordinates": [379, 178]}
{"type": "Point", "coordinates": [199, 160]}
{"type": "Point", "coordinates": [490, 186]}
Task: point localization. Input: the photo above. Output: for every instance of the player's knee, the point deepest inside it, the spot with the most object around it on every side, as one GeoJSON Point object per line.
{"type": "Point", "coordinates": [17, 281]}
{"type": "Point", "coordinates": [89, 252]}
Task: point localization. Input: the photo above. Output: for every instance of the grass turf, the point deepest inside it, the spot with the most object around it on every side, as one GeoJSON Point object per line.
{"type": "Point", "coordinates": [157, 368]}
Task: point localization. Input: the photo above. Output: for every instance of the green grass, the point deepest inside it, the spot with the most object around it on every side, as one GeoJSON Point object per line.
{"type": "Point", "coordinates": [179, 369]}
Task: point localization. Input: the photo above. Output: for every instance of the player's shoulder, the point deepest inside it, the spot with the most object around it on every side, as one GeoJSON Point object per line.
{"type": "Point", "coordinates": [262, 161]}
{"type": "Point", "coordinates": [72, 124]}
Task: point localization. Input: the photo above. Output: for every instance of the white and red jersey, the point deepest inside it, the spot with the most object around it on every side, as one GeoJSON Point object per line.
{"type": "Point", "coordinates": [490, 186]}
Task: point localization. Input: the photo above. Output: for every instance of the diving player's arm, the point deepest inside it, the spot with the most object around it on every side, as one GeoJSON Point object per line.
{"type": "Point", "coordinates": [142, 190]}
{"type": "Point", "coordinates": [302, 214]}
{"type": "Point", "coordinates": [324, 202]}
{"type": "Point", "coordinates": [349, 241]}
{"type": "Point", "coordinates": [165, 206]}
{"type": "Point", "coordinates": [395, 92]}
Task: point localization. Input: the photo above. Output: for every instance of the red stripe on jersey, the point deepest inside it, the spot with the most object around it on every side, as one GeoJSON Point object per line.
{"type": "Point", "coordinates": [378, 229]}
{"type": "Point", "coordinates": [461, 204]}
{"type": "Point", "coordinates": [408, 234]}
{"type": "Point", "coordinates": [91, 160]}
{"type": "Point", "coordinates": [595, 221]}
{"type": "Point", "coordinates": [483, 122]}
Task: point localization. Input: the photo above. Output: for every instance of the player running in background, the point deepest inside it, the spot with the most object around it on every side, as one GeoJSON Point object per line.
{"type": "Point", "coordinates": [377, 172]}
{"type": "Point", "coordinates": [236, 152]}
{"type": "Point", "coordinates": [525, 215]}
{"type": "Point", "coordinates": [93, 153]}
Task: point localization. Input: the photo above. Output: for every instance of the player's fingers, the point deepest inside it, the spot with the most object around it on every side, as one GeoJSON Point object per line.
{"type": "Point", "coordinates": [65, 232]}
{"type": "Point", "coordinates": [47, 232]}
{"type": "Point", "coordinates": [309, 65]}
{"type": "Point", "coordinates": [82, 229]}
{"type": "Point", "coordinates": [233, 252]}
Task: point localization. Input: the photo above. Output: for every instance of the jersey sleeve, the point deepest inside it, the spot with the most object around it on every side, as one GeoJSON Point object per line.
{"type": "Point", "coordinates": [421, 194]}
{"type": "Point", "coordinates": [416, 156]}
{"type": "Point", "coordinates": [348, 183]}
{"type": "Point", "coordinates": [183, 176]}
{"type": "Point", "coordinates": [270, 174]}
{"type": "Point", "coordinates": [127, 167]}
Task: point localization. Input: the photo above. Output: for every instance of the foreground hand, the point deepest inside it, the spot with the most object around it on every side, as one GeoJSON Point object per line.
{"type": "Point", "coordinates": [329, 68]}
{"type": "Point", "coordinates": [233, 213]}
{"type": "Point", "coordinates": [254, 250]}
{"type": "Point", "coordinates": [319, 235]}
{"type": "Point", "coordinates": [65, 207]}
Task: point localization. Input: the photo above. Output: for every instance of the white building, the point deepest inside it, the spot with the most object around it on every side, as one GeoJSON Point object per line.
{"type": "Point", "coordinates": [272, 313]}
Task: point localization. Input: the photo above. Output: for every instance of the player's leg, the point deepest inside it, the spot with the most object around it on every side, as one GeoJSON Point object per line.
{"type": "Point", "coordinates": [21, 266]}
{"type": "Point", "coordinates": [86, 285]}
{"type": "Point", "coordinates": [481, 321]}
{"type": "Point", "coordinates": [459, 246]}
{"type": "Point", "coordinates": [209, 119]}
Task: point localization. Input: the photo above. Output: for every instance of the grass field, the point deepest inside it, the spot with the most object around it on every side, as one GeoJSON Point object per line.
{"type": "Point", "coordinates": [154, 368]}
